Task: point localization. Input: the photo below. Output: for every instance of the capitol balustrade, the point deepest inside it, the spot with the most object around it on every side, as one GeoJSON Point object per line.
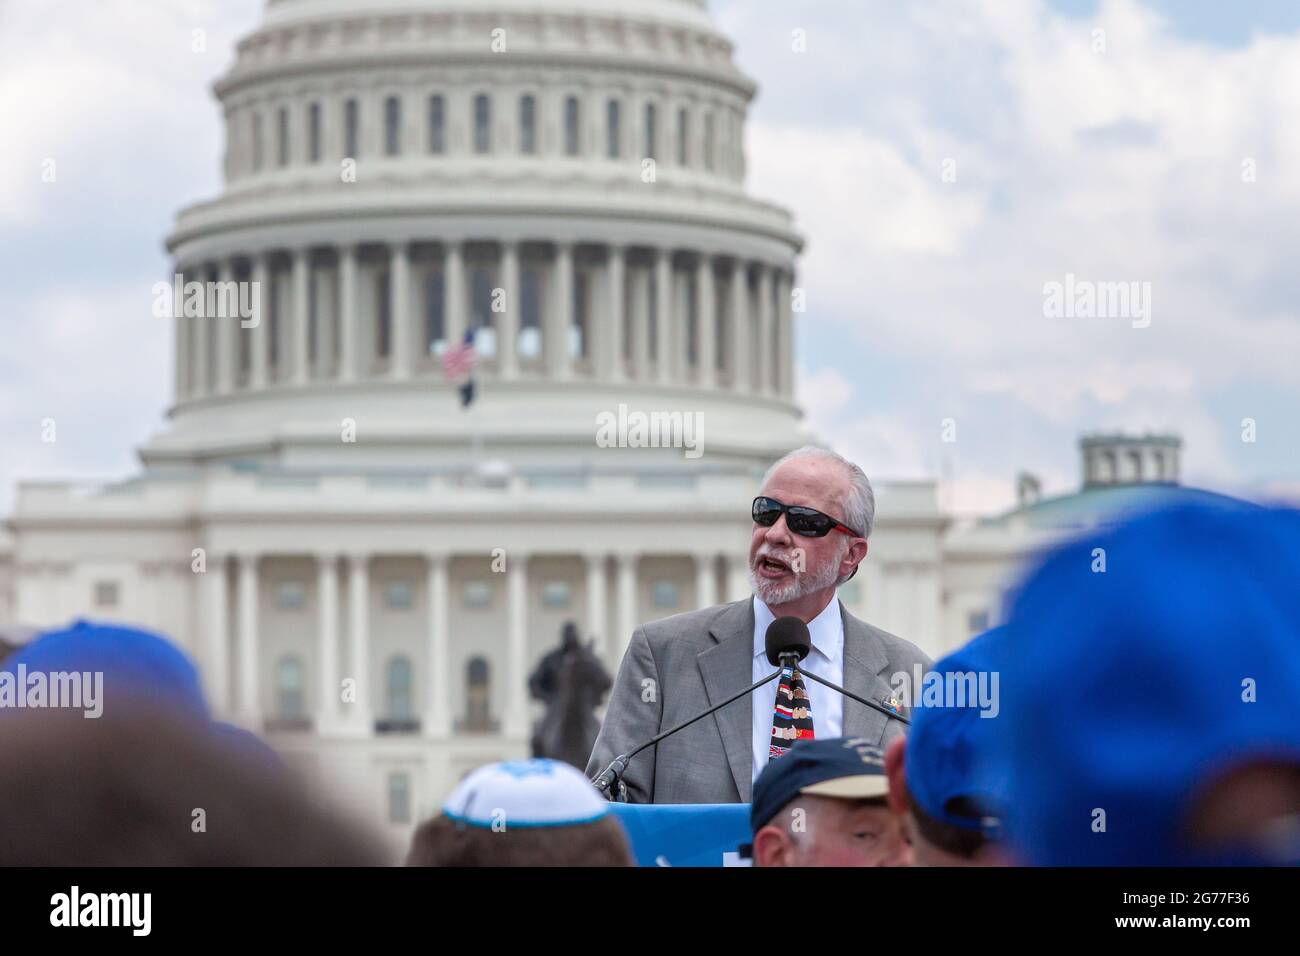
{"type": "Point", "coordinates": [561, 312]}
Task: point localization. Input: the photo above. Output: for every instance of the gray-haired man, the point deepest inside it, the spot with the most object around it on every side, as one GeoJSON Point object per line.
{"type": "Point", "coordinates": [812, 520]}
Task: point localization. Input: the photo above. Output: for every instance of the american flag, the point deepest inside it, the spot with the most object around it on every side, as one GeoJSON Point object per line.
{"type": "Point", "coordinates": [458, 367]}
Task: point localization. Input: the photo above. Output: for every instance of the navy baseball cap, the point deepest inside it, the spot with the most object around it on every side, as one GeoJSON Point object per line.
{"type": "Point", "coordinates": [950, 761]}
{"type": "Point", "coordinates": [1140, 663]}
{"type": "Point", "coordinates": [851, 768]}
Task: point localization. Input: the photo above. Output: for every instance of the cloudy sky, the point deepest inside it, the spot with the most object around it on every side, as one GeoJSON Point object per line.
{"type": "Point", "coordinates": [1146, 141]}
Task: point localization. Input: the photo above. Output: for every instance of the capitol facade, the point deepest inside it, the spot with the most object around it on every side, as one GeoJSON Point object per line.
{"type": "Point", "coordinates": [564, 181]}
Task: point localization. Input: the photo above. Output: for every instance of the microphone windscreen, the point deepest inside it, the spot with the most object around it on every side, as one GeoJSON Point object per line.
{"type": "Point", "coordinates": [787, 634]}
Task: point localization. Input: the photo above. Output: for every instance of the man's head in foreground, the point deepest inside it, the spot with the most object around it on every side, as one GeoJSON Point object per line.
{"type": "Point", "coordinates": [942, 785]}
{"type": "Point", "coordinates": [1151, 692]}
{"type": "Point", "coordinates": [823, 804]}
{"type": "Point", "coordinates": [147, 786]}
{"type": "Point", "coordinates": [522, 813]}
{"type": "Point", "coordinates": [797, 558]}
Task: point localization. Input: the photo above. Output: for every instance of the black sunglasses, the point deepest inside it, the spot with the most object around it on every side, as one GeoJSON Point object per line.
{"type": "Point", "coordinates": [807, 522]}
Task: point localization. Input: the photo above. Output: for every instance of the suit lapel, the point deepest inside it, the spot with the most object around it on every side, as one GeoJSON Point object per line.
{"type": "Point", "coordinates": [727, 669]}
{"type": "Point", "coordinates": [864, 663]}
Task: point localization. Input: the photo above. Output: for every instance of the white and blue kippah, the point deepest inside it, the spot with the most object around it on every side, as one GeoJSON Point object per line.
{"type": "Point", "coordinates": [525, 793]}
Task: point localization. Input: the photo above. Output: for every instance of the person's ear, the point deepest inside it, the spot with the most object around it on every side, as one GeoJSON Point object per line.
{"type": "Point", "coordinates": [853, 557]}
{"type": "Point", "coordinates": [894, 764]}
{"type": "Point", "coordinates": [773, 847]}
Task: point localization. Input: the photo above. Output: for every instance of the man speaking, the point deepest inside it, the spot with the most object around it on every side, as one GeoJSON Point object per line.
{"type": "Point", "coordinates": [812, 519]}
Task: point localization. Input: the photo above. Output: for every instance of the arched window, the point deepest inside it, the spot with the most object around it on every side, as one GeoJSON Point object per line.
{"type": "Point", "coordinates": [398, 696]}
{"type": "Point", "coordinates": [528, 124]}
{"type": "Point", "coordinates": [613, 128]}
{"type": "Point", "coordinates": [482, 123]}
{"type": "Point", "coordinates": [290, 703]}
{"type": "Point", "coordinates": [392, 126]}
{"type": "Point", "coordinates": [478, 690]}
{"type": "Point", "coordinates": [572, 127]}
{"type": "Point", "coordinates": [437, 124]}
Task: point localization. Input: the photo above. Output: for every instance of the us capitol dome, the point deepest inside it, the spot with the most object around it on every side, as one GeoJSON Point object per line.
{"type": "Point", "coordinates": [564, 181]}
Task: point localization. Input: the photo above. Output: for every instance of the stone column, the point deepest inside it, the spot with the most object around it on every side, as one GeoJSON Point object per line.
{"type": "Point", "coordinates": [360, 715]}
{"type": "Point", "coordinates": [260, 333]}
{"type": "Point", "coordinates": [766, 324]}
{"type": "Point", "coordinates": [627, 610]}
{"type": "Point", "coordinates": [347, 313]}
{"type": "Point", "coordinates": [327, 603]}
{"type": "Point", "coordinates": [216, 638]}
{"type": "Point", "coordinates": [516, 717]}
{"type": "Point", "coordinates": [183, 355]}
{"type": "Point", "coordinates": [706, 579]}
{"type": "Point", "coordinates": [437, 711]}
{"type": "Point", "coordinates": [784, 337]}
{"type": "Point", "coordinates": [597, 617]}
{"type": "Point", "coordinates": [326, 310]}
{"type": "Point", "coordinates": [706, 328]}
{"type": "Point", "coordinates": [454, 312]}
{"type": "Point", "coordinates": [666, 346]}
{"type": "Point", "coordinates": [399, 311]}
{"type": "Point", "coordinates": [561, 315]}
{"type": "Point", "coordinates": [227, 331]}
{"type": "Point", "coordinates": [299, 360]}
{"type": "Point", "coordinates": [738, 577]}
{"type": "Point", "coordinates": [640, 323]}
{"type": "Point", "coordinates": [250, 702]}
{"type": "Point", "coordinates": [609, 339]}
{"type": "Point", "coordinates": [739, 320]}
{"type": "Point", "coordinates": [508, 321]}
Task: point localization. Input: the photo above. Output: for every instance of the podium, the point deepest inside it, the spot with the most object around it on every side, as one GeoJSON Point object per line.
{"type": "Point", "coordinates": [700, 834]}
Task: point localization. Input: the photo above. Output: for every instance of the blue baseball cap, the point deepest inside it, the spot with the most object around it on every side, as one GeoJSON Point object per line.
{"type": "Point", "coordinates": [1139, 663]}
{"type": "Point", "coordinates": [950, 754]}
{"type": "Point", "coordinates": [137, 665]}
{"type": "Point", "coordinates": [850, 768]}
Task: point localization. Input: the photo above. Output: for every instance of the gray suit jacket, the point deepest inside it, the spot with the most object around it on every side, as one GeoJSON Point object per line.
{"type": "Point", "coordinates": [682, 665]}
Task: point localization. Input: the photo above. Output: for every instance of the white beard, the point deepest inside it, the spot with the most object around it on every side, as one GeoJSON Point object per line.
{"type": "Point", "coordinates": [771, 593]}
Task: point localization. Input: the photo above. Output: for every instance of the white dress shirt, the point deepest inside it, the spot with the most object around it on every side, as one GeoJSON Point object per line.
{"type": "Point", "coordinates": [826, 660]}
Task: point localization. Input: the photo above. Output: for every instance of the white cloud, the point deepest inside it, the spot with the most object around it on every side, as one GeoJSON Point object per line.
{"type": "Point", "coordinates": [1117, 166]}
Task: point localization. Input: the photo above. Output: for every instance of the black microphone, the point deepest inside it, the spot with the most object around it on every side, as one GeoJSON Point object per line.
{"type": "Point", "coordinates": [786, 638]}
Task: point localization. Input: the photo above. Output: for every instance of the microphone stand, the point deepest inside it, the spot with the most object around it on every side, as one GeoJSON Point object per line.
{"type": "Point", "coordinates": [610, 781]}
{"type": "Point", "coordinates": [852, 696]}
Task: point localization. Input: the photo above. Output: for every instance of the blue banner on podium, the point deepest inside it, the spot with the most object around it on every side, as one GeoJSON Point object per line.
{"type": "Point", "coordinates": [700, 834]}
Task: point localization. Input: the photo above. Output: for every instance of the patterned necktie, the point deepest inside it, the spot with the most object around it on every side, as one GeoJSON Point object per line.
{"type": "Point", "coordinates": [792, 719]}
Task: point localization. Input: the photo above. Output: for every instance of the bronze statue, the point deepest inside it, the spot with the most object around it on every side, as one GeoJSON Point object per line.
{"type": "Point", "coordinates": [572, 682]}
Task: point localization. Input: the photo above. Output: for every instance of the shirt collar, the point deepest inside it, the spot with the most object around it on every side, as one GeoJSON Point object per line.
{"type": "Point", "coordinates": [826, 629]}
